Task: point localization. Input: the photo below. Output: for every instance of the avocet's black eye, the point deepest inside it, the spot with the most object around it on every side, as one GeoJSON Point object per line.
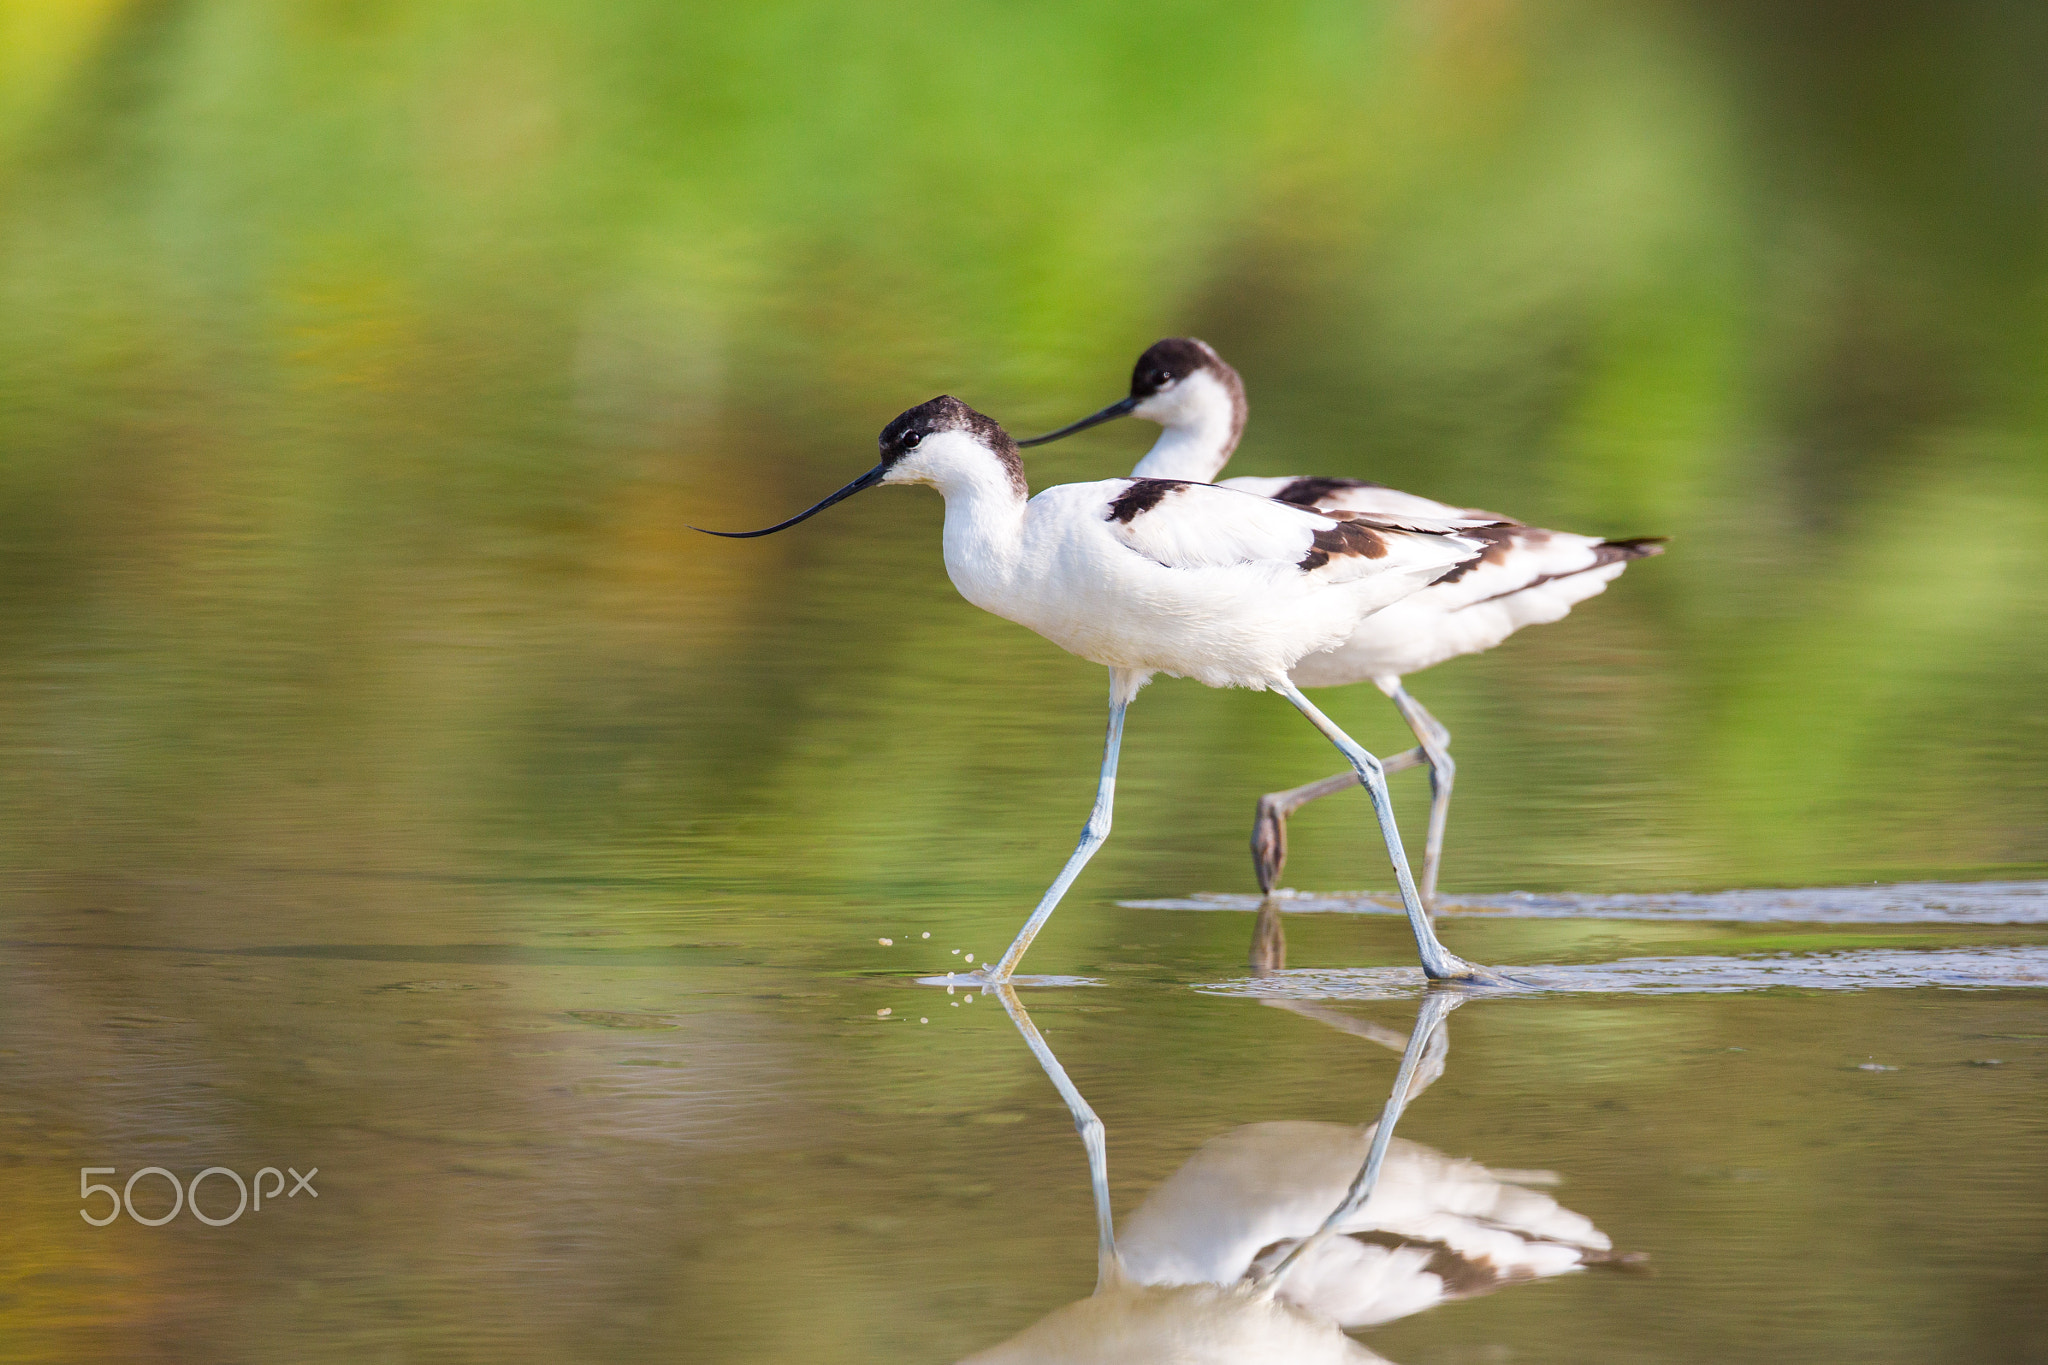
{"type": "Point", "coordinates": [911, 438]}
{"type": "Point", "coordinates": [1159, 379]}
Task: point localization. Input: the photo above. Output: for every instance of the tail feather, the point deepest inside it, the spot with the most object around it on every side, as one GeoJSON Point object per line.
{"type": "Point", "coordinates": [1635, 547]}
{"type": "Point", "coordinates": [1605, 553]}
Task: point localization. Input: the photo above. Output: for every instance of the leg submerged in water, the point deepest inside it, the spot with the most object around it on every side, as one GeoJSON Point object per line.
{"type": "Point", "coordinates": [1437, 961]}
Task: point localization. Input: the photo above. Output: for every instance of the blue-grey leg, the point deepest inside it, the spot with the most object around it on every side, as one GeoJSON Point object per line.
{"type": "Point", "coordinates": [1387, 1038]}
{"type": "Point", "coordinates": [1269, 828]}
{"type": "Point", "coordinates": [1407, 1085]}
{"type": "Point", "coordinates": [1094, 1138]}
{"type": "Point", "coordinates": [1437, 961]}
{"type": "Point", "coordinates": [1435, 1052]}
{"type": "Point", "coordinates": [1436, 748]}
{"type": "Point", "coordinates": [1123, 686]}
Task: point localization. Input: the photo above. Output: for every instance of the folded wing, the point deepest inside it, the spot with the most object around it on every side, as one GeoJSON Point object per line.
{"type": "Point", "coordinates": [1185, 525]}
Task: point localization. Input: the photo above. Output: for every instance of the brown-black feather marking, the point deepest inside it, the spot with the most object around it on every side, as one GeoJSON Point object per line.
{"type": "Point", "coordinates": [1141, 496]}
{"type": "Point", "coordinates": [1463, 1276]}
{"type": "Point", "coordinates": [1500, 540]}
{"type": "Point", "coordinates": [1635, 547]}
{"type": "Point", "coordinates": [1348, 537]}
{"type": "Point", "coordinates": [1605, 553]}
{"type": "Point", "coordinates": [1309, 492]}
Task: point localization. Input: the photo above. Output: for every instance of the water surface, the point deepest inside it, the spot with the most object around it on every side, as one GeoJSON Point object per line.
{"type": "Point", "coordinates": [392, 783]}
{"type": "Point", "coordinates": [645, 1143]}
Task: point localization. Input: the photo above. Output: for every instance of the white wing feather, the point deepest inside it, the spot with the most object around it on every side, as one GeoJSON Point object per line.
{"type": "Point", "coordinates": [1374, 500]}
{"type": "Point", "coordinates": [1200, 526]}
{"type": "Point", "coordinates": [1195, 525]}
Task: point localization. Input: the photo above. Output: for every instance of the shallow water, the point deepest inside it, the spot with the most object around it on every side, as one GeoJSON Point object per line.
{"type": "Point", "coordinates": [392, 783]}
{"type": "Point", "coordinates": [1896, 903]}
{"type": "Point", "coordinates": [644, 1144]}
{"type": "Point", "coordinates": [1865, 969]}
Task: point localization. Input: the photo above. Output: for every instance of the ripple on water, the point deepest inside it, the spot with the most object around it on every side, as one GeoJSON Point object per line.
{"type": "Point", "coordinates": [1863, 969]}
{"type": "Point", "coordinates": [974, 981]}
{"type": "Point", "coordinates": [1899, 903]}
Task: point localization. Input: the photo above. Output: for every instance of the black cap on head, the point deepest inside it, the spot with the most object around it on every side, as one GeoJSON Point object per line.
{"type": "Point", "coordinates": [1164, 363]}
{"type": "Point", "coordinates": [1172, 359]}
{"type": "Point", "coordinates": [947, 413]}
{"type": "Point", "coordinates": [944, 413]}
{"type": "Point", "coordinates": [898, 439]}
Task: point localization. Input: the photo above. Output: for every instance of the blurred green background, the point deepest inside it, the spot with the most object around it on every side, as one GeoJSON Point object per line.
{"type": "Point", "coordinates": [364, 363]}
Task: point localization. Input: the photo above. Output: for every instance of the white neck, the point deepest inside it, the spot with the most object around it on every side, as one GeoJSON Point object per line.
{"type": "Point", "coordinates": [1201, 430]}
{"type": "Point", "coordinates": [984, 514]}
{"type": "Point", "coordinates": [1184, 453]}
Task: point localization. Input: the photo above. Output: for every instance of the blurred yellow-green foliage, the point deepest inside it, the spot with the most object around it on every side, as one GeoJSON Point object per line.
{"type": "Point", "coordinates": [365, 363]}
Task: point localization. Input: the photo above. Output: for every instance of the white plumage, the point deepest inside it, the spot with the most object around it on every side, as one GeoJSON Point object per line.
{"type": "Point", "coordinates": [1152, 576]}
{"type": "Point", "coordinates": [1203, 582]}
{"type": "Point", "coordinates": [1436, 1228]}
{"type": "Point", "coordinates": [1126, 1323]}
{"type": "Point", "coordinates": [1273, 1237]}
{"type": "Point", "coordinates": [1526, 575]}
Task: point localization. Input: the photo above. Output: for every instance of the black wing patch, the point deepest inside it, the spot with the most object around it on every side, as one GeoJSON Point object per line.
{"type": "Point", "coordinates": [1500, 541]}
{"type": "Point", "coordinates": [1309, 492]}
{"type": "Point", "coordinates": [1142, 495]}
{"type": "Point", "coordinates": [1636, 547]}
{"type": "Point", "coordinates": [1345, 538]}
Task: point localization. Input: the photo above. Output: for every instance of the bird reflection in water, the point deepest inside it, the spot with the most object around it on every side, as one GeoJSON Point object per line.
{"type": "Point", "coordinates": [1274, 1238]}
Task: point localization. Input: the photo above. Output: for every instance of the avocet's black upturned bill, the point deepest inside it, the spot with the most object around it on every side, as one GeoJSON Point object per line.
{"type": "Point", "coordinates": [1527, 576]}
{"type": "Point", "coordinates": [1166, 576]}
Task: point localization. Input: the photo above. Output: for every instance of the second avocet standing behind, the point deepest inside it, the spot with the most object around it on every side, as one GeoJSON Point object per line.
{"type": "Point", "coordinates": [1163, 576]}
{"type": "Point", "coordinates": [1527, 576]}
